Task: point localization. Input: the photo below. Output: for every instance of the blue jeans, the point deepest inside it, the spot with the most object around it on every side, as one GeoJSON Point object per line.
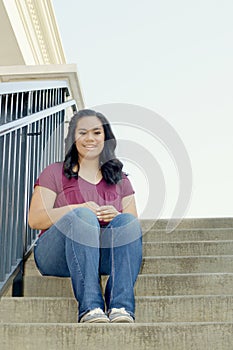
{"type": "Point", "coordinates": [77, 247]}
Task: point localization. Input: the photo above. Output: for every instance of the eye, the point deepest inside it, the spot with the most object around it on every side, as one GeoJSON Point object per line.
{"type": "Point", "coordinates": [98, 132]}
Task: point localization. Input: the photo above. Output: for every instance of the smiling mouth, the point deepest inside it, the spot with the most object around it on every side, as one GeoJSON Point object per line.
{"type": "Point", "coordinates": [90, 147]}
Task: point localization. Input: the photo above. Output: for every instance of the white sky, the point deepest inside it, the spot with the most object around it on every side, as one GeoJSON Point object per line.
{"type": "Point", "coordinates": [174, 57]}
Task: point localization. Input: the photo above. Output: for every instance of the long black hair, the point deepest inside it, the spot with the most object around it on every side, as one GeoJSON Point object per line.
{"type": "Point", "coordinates": [111, 167]}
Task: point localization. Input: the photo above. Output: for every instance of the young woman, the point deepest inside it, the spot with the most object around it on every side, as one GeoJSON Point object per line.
{"type": "Point", "coordinates": [86, 210]}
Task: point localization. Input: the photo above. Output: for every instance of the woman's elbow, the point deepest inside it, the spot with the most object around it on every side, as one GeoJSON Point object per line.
{"type": "Point", "coordinates": [31, 223]}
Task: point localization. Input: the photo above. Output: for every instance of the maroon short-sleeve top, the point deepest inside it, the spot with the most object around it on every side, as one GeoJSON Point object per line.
{"type": "Point", "coordinates": [78, 191]}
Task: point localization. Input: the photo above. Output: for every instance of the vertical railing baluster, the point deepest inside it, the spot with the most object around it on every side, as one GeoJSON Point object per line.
{"type": "Point", "coordinates": [1, 98]}
{"type": "Point", "coordinates": [2, 206]}
{"type": "Point", "coordinates": [11, 186]}
{"type": "Point", "coordinates": [20, 105]}
{"type": "Point", "coordinates": [17, 106]}
{"type": "Point", "coordinates": [5, 208]}
{"type": "Point", "coordinates": [17, 199]}
{"type": "Point", "coordinates": [29, 165]}
{"type": "Point", "coordinates": [15, 204]}
{"type": "Point", "coordinates": [5, 109]}
{"type": "Point", "coordinates": [32, 163]}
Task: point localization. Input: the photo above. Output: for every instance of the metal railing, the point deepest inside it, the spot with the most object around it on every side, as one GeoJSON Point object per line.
{"type": "Point", "coordinates": [31, 137]}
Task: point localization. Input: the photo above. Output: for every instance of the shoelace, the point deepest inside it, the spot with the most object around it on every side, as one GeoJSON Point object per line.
{"type": "Point", "coordinates": [121, 310]}
{"type": "Point", "coordinates": [96, 311]}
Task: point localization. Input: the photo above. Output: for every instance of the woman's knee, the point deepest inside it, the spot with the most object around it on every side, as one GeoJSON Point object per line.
{"type": "Point", "coordinates": [124, 229]}
{"type": "Point", "coordinates": [85, 215]}
{"type": "Point", "coordinates": [84, 227]}
{"type": "Point", "coordinates": [125, 219]}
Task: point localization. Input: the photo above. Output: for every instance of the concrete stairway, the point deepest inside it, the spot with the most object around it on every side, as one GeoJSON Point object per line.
{"type": "Point", "coordinates": [184, 298]}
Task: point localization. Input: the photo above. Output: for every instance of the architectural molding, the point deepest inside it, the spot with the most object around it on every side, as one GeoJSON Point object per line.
{"type": "Point", "coordinates": [66, 72]}
{"type": "Point", "coordinates": [36, 32]}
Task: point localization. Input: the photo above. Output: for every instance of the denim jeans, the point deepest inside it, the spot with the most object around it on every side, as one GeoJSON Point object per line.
{"type": "Point", "coordinates": [77, 247]}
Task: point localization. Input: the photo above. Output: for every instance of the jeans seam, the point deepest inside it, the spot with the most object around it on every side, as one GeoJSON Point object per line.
{"type": "Point", "coordinates": [74, 255]}
{"type": "Point", "coordinates": [113, 267]}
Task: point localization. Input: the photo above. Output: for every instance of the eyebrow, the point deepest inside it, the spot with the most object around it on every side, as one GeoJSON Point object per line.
{"type": "Point", "coordinates": [97, 128]}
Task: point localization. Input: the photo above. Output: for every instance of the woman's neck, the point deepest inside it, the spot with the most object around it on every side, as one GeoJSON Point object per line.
{"type": "Point", "coordinates": [89, 170]}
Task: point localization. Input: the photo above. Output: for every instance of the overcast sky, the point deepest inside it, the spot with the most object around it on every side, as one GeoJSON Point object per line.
{"type": "Point", "coordinates": [173, 57]}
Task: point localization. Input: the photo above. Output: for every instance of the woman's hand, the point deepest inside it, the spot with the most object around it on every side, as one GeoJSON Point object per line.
{"type": "Point", "coordinates": [92, 206]}
{"type": "Point", "coordinates": [106, 213]}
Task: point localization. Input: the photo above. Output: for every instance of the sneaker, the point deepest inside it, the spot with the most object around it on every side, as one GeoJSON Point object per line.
{"type": "Point", "coordinates": [120, 316]}
{"type": "Point", "coordinates": [96, 315]}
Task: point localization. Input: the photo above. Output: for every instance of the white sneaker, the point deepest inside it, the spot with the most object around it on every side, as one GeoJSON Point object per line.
{"type": "Point", "coordinates": [120, 316]}
{"type": "Point", "coordinates": [95, 315]}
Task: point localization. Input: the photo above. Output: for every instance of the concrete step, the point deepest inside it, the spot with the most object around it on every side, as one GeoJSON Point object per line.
{"type": "Point", "coordinates": [169, 265]}
{"type": "Point", "coordinates": [172, 249]}
{"type": "Point", "coordinates": [146, 285]}
{"type": "Point", "coordinates": [188, 248]}
{"type": "Point", "coordinates": [30, 268]}
{"type": "Point", "coordinates": [148, 309]}
{"type": "Point", "coordinates": [221, 234]}
{"type": "Point", "coordinates": [163, 336]}
{"type": "Point", "coordinates": [188, 223]}
{"type": "Point", "coordinates": [187, 264]}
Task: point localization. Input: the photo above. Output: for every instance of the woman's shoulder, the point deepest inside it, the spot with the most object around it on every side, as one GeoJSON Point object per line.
{"type": "Point", "coordinates": [56, 168]}
{"type": "Point", "coordinates": [56, 165]}
{"type": "Point", "coordinates": [125, 177]}
{"type": "Point", "coordinates": [51, 177]}
{"type": "Point", "coordinates": [127, 188]}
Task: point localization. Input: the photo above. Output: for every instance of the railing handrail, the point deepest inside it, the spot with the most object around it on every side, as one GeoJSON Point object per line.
{"type": "Point", "coordinates": [26, 86]}
{"type": "Point", "coordinates": [19, 123]}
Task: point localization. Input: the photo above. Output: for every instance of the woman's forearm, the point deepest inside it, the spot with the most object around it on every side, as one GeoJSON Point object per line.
{"type": "Point", "coordinates": [44, 218]}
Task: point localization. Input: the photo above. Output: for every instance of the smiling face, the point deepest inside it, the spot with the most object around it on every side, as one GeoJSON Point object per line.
{"type": "Point", "coordinates": [89, 136]}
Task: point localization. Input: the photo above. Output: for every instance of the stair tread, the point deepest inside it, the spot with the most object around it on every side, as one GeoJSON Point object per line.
{"type": "Point", "coordinates": [145, 275]}
{"type": "Point", "coordinates": [137, 297]}
{"type": "Point", "coordinates": [133, 325]}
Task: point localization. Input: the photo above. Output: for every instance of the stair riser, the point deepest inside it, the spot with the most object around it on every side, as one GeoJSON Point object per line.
{"type": "Point", "coordinates": [146, 285]}
{"type": "Point", "coordinates": [148, 310]}
{"type": "Point", "coordinates": [167, 265]}
{"type": "Point", "coordinates": [188, 235]}
{"type": "Point", "coordinates": [188, 249]}
{"type": "Point", "coordinates": [188, 224]}
{"type": "Point", "coordinates": [149, 285]}
{"type": "Point", "coordinates": [186, 265]}
{"type": "Point", "coordinates": [115, 337]}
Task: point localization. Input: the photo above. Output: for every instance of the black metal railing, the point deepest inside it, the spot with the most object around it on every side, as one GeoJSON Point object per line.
{"type": "Point", "coordinates": [31, 137]}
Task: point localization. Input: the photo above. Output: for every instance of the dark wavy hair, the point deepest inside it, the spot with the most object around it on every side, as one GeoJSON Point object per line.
{"type": "Point", "coordinates": [111, 167]}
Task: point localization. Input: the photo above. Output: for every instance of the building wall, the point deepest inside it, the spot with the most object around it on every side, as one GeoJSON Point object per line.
{"type": "Point", "coordinates": [10, 53]}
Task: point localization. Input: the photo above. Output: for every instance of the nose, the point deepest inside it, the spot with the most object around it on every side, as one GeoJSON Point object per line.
{"type": "Point", "coordinates": [89, 136]}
